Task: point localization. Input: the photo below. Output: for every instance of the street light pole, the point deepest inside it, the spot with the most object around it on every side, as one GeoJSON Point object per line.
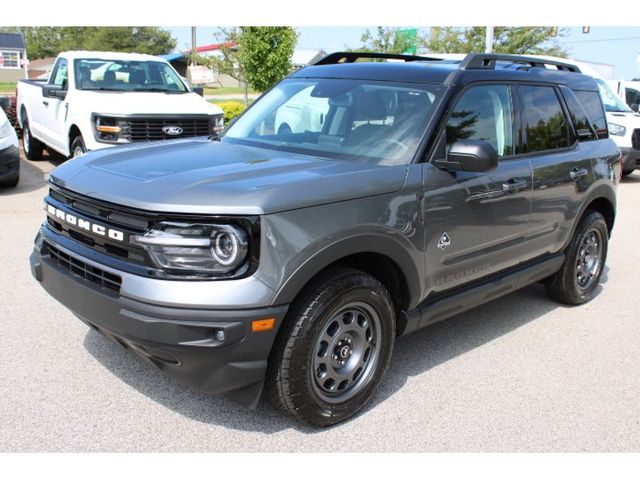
{"type": "Point", "coordinates": [194, 46]}
{"type": "Point", "coordinates": [488, 40]}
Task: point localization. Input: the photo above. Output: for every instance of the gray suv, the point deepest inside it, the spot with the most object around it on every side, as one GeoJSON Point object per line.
{"type": "Point", "coordinates": [289, 259]}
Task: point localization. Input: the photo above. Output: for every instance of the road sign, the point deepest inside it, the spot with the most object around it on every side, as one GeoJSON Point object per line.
{"type": "Point", "coordinates": [408, 36]}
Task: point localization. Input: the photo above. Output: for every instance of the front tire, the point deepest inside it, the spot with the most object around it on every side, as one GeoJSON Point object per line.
{"type": "Point", "coordinates": [77, 147]}
{"type": "Point", "coordinates": [10, 182]}
{"type": "Point", "coordinates": [578, 279]}
{"type": "Point", "coordinates": [333, 348]}
{"type": "Point", "coordinates": [32, 147]}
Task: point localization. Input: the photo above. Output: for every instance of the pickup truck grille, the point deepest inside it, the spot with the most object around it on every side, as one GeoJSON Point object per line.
{"type": "Point", "coordinates": [145, 129]}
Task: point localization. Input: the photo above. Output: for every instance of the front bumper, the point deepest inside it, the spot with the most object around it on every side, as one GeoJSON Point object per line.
{"type": "Point", "coordinates": [9, 162]}
{"type": "Point", "coordinates": [630, 158]}
{"type": "Point", "coordinates": [185, 343]}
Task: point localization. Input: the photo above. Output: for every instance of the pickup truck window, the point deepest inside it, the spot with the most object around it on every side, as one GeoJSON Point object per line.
{"type": "Point", "coordinates": [60, 75]}
{"type": "Point", "coordinates": [127, 76]}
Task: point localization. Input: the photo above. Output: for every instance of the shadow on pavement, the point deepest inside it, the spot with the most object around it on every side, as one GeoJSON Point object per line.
{"type": "Point", "coordinates": [414, 354]}
{"type": "Point", "coordinates": [32, 177]}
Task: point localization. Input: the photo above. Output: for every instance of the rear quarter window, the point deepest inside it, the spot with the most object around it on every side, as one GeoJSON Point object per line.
{"type": "Point", "coordinates": [592, 105]}
{"type": "Point", "coordinates": [579, 118]}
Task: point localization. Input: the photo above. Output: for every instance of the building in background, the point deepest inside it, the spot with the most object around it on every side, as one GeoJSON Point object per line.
{"type": "Point", "coordinates": [13, 57]}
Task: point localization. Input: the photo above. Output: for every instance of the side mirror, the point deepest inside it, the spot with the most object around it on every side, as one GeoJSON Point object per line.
{"type": "Point", "coordinates": [634, 107]}
{"type": "Point", "coordinates": [198, 90]}
{"type": "Point", "coordinates": [53, 91]}
{"type": "Point", "coordinates": [5, 102]}
{"type": "Point", "coordinates": [469, 156]}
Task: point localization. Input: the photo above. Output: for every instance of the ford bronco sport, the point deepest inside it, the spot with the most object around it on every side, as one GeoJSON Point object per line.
{"type": "Point", "coordinates": [291, 259]}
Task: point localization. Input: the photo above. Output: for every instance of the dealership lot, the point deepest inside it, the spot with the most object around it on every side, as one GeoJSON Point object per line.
{"type": "Point", "coordinates": [518, 374]}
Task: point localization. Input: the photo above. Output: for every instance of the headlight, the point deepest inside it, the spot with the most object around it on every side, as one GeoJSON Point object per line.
{"type": "Point", "coordinates": [615, 129]}
{"type": "Point", "coordinates": [5, 129]}
{"type": "Point", "coordinates": [108, 129]}
{"type": "Point", "coordinates": [199, 249]}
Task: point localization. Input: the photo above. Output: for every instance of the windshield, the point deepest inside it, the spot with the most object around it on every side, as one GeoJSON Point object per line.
{"type": "Point", "coordinates": [127, 76]}
{"type": "Point", "coordinates": [611, 101]}
{"type": "Point", "coordinates": [340, 119]}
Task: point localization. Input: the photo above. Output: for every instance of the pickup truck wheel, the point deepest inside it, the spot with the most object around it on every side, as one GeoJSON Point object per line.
{"type": "Point", "coordinates": [32, 147]}
{"type": "Point", "coordinates": [11, 182]}
{"type": "Point", "coordinates": [333, 348]}
{"type": "Point", "coordinates": [577, 280]}
{"type": "Point", "coordinates": [77, 147]}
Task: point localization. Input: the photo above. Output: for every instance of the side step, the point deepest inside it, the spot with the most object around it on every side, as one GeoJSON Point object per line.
{"type": "Point", "coordinates": [448, 305]}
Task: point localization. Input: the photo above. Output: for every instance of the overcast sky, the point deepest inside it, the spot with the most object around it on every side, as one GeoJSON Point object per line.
{"type": "Point", "coordinates": [616, 46]}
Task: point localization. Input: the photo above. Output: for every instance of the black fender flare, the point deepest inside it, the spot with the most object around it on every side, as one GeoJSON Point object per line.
{"type": "Point", "coordinates": [390, 248]}
{"type": "Point", "coordinates": [603, 190]}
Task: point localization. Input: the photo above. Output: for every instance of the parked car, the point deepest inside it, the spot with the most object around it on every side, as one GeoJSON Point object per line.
{"type": "Point", "coordinates": [293, 260]}
{"type": "Point", "coordinates": [94, 100]}
{"type": "Point", "coordinates": [9, 152]}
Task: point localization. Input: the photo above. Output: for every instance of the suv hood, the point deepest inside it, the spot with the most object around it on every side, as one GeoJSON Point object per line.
{"type": "Point", "coordinates": [123, 103]}
{"type": "Point", "coordinates": [199, 176]}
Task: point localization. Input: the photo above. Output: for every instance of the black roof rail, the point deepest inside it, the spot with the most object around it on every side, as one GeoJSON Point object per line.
{"type": "Point", "coordinates": [476, 61]}
{"type": "Point", "coordinates": [350, 57]}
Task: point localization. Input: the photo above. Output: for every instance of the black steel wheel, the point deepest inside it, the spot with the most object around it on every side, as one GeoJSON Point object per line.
{"type": "Point", "coordinates": [333, 348]}
{"type": "Point", "coordinates": [576, 282]}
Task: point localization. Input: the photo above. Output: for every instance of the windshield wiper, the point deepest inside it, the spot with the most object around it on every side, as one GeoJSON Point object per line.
{"type": "Point", "coordinates": [105, 88]}
{"type": "Point", "coordinates": [156, 89]}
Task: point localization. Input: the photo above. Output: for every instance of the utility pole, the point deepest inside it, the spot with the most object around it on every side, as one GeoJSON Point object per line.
{"type": "Point", "coordinates": [194, 46]}
{"type": "Point", "coordinates": [488, 40]}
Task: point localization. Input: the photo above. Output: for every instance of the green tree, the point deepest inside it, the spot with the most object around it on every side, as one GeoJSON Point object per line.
{"type": "Point", "coordinates": [516, 40]}
{"type": "Point", "coordinates": [45, 42]}
{"type": "Point", "coordinates": [385, 40]}
{"type": "Point", "coordinates": [265, 54]}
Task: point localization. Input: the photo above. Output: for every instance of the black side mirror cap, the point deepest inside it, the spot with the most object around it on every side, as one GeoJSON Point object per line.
{"type": "Point", "coordinates": [53, 91]}
{"type": "Point", "coordinates": [198, 91]}
{"type": "Point", "coordinates": [634, 107]}
{"type": "Point", "coordinates": [5, 102]}
{"type": "Point", "coordinates": [469, 156]}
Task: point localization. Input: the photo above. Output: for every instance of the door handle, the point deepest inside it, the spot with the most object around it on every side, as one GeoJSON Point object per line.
{"type": "Point", "coordinates": [45, 103]}
{"type": "Point", "coordinates": [578, 172]}
{"type": "Point", "coordinates": [513, 186]}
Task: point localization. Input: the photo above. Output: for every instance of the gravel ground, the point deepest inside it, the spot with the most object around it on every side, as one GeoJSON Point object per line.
{"type": "Point", "coordinates": [518, 374]}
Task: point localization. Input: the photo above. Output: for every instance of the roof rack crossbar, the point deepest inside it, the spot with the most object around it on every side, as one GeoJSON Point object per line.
{"type": "Point", "coordinates": [477, 61]}
{"type": "Point", "coordinates": [350, 57]}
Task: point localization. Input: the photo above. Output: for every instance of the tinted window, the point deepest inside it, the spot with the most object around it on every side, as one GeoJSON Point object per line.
{"type": "Point", "coordinates": [633, 96]}
{"type": "Point", "coordinates": [483, 113]}
{"type": "Point", "coordinates": [578, 117]}
{"type": "Point", "coordinates": [592, 105]}
{"type": "Point", "coordinates": [543, 120]}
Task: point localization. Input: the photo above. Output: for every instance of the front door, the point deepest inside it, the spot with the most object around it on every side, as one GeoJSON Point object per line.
{"type": "Point", "coordinates": [55, 116]}
{"type": "Point", "coordinates": [475, 223]}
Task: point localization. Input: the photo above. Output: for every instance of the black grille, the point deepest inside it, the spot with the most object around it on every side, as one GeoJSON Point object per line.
{"type": "Point", "coordinates": [635, 139]}
{"type": "Point", "coordinates": [149, 129]}
{"type": "Point", "coordinates": [82, 269]}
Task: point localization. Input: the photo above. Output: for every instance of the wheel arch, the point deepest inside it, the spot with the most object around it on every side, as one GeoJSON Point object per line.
{"type": "Point", "coordinates": [603, 200]}
{"type": "Point", "coordinates": [382, 258]}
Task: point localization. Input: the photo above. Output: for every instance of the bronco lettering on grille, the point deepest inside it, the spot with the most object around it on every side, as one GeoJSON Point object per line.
{"type": "Point", "coordinates": [83, 224]}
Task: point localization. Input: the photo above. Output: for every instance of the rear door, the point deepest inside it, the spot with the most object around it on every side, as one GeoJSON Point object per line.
{"type": "Point", "coordinates": [562, 167]}
{"type": "Point", "coordinates": [475, 222]}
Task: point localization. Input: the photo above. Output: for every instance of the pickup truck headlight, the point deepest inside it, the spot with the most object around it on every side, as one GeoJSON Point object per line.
{"type": "Point", "coordinates": [199, 249]}
{"type": "Point", "coordinates": [615, 129]}
{"type": "Point", "coordinates": [107, 129]}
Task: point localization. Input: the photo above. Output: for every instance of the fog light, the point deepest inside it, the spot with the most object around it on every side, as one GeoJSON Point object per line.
{"type": "Point", "coordinates": [219, 336]}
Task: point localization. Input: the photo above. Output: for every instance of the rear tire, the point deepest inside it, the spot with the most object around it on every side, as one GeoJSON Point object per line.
{"type": "Point", "coordinates": [77, 147]}
{"type": "Point", "coordinates": [32, 147]}
{"type": "Point", "coordinates": [333, 348]}
{"type": "Point", "coordinates": [585, 257]}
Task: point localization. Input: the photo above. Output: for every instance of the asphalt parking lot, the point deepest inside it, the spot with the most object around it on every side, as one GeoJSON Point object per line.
{"type": "Point", "coordinates": [518, 374]}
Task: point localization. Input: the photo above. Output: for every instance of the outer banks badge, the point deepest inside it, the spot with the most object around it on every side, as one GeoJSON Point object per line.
{"type": "Point", "coordinates": [444, 241]}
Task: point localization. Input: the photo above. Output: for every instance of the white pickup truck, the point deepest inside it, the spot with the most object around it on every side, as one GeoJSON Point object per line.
{"type": "Point", "coordinates": [94, 100]}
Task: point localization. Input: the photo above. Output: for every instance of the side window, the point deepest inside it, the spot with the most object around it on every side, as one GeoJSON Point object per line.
{"type": "Point", "coordinates": [60, 74]}
{"type": "Point", "coordinates": [632, 96]}
{"type": "Point", "coordinates": [594, 109]}
{"type": "Point", "coordinates": [544, 123]}
{"type": "Point", "coordinates": [483, 113]}
{"type": "Point", "coordinates": [578, 116]}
